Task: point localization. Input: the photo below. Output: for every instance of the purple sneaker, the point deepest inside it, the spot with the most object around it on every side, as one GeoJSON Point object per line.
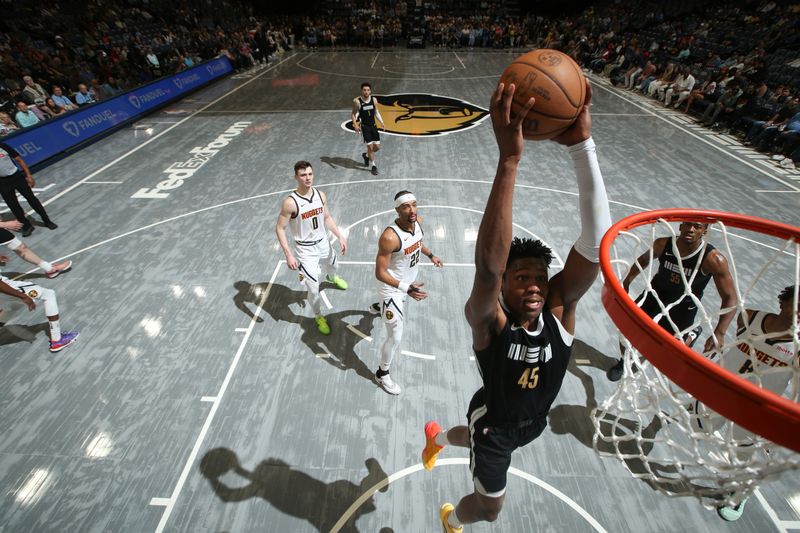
{"type": "Point", "coordinates": [65, 340]}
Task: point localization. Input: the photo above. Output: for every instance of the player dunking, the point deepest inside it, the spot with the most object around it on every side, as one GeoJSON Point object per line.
{"type": "Point", "coordinates": [365, 113]}
{"type": "Point", "coordinates": [701, 262]}
{"type": "Point", "coordinates": [305, 210]}
{"type": "Point", "coordinates": [522, 322]}
{"type": "Point", "coordinates": [396, 267]}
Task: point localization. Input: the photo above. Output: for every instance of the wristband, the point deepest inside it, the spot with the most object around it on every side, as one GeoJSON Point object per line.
{"type": "Point", "coordinates": [430, 255]}
{"type": "Point", "coordinates": [403, 286]}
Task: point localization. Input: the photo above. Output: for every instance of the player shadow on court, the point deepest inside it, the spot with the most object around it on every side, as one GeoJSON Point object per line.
{"type": "Point", "coordinates": [344, 162]}
{"type": "Point", "coordinates": [291, 491]}
{"type": "Point", "coordinates": [336, 349]}
{"type": "Point", "coordinates": [576, 420]}
{"type": "Point", "coordinates": [15, 333]}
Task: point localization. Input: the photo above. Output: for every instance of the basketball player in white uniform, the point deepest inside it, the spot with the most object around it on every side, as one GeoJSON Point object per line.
{"type": "Point", "coordinates": [764, 354]}
{"type": "Point", "coordinates": [29, 292]}
{"type": "Point", "coordinates": [399, 252]}
{"type": "Point", "coordinates": [306, 212]}
{"type": "Point", "coordinates": [365, 114]}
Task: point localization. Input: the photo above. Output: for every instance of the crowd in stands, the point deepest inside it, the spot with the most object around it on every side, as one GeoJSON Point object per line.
{"type": "Point", "coordinates": [56, 58]}
{"type": "Point", "coordinates": [734, 65]}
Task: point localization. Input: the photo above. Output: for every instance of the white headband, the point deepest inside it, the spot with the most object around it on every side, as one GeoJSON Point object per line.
{"type": "Point", "coordinates": [407, 197]}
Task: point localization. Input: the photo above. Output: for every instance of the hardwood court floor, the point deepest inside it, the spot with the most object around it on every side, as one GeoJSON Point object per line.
{"type": "Point", "coordinates": [199, 397]}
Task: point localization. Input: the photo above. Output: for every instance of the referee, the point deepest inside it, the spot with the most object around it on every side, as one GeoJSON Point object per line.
{"type": "Point", "coordinates": [15, 176]}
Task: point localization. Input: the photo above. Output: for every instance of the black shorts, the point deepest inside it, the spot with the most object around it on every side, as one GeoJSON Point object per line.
{"type": "Point", "coordinates": [370, 134]}
{"type": "Point", "coordinates": [682, 314]}
{"type": "Point", "coordinates": [491, 446]}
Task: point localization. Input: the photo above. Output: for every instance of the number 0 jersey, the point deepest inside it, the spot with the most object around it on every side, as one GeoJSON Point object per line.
{"type": "Point", "coordinates": [308, 225]}
{"type": "Point", "coordinates": [404, 264]}
{"type": "Point", "coordinates": [523, 370]}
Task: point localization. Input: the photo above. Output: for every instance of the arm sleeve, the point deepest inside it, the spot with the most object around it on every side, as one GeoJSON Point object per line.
{"type": "Point", "coordinates": [592, 200]}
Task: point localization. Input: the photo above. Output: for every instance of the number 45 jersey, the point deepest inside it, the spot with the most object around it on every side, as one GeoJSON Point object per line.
{"type": "Point", "coordinates": [523, 370]}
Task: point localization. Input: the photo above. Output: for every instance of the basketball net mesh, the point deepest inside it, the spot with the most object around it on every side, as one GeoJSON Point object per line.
{"type": "Point", "coordinates": [663, 434]}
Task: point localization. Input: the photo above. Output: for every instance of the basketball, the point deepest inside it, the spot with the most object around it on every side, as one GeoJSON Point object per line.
{"type": "Point", "coordinates": [557, 84]}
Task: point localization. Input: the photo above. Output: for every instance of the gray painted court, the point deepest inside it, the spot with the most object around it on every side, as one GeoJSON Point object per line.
{"type": "Point", "coordinates": [200, 397]}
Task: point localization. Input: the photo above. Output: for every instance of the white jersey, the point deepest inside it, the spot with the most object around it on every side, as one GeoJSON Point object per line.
{"type": "Point", "coordinates": [758, 355]}
{"type": "Point", "coordinates": [308, 225]}
{"type": "Point", "coordinates": [404, 264]}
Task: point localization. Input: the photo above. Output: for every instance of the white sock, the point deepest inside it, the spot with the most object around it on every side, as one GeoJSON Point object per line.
{"type": "Point", "coordinates": [453, 520]}
{"type": "Point", "coordinates": [47, 267]}
{"type": "Point", "coordinates": [441, 439]}
{"type": "Point", "coordinates": [55, 330]}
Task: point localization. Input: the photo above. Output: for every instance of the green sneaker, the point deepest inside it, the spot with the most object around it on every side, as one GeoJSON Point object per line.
{"type": "Point", "coordinates": [339, 282]}
{"type": "Point", "coordinates": [322, 325]}
{"type": "Point", "coordinates": [731, 514]}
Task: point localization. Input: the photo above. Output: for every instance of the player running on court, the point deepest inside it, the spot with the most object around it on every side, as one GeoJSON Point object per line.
{"type": "Point", "coordinates": [365, 113]}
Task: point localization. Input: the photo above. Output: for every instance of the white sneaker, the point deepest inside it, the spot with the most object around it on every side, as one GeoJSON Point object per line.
{"type": "Point", "coordinates": [778, 157]}
{"type": "Point", "coordinates": [787, 163]}
{"type": "Point", "coordinates": [386, 383]}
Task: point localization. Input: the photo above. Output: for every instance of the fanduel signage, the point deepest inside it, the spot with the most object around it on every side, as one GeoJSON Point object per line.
{"type": "Point", "coordinates": [60, 134]}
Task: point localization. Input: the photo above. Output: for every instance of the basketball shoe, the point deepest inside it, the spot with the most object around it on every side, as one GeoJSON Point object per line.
{"type": "Point", "coordinates": [731, 514]}
{"type": "Point", "coordinates": [336, 280]}
{"type": "Point", "coordinates": [65, 340]}
{"type": "Point", "coordinates": [322, 325]}
{"type": "Point", "coordinates": [444, 514]}
{"type": "Point", "coordinates": [58, 268]}
{"type": "Point", "coordinates": [431, 451]}
{"type": "Point", "coordinates": [366, 158]}
{"type": "Point", "coordinates": [384, 380]}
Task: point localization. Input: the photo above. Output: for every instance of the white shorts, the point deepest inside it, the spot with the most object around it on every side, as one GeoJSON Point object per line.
{"type": "Point", "coordinates": [392, 302]}
{"type": "Point", "coordinates": [310, 258]}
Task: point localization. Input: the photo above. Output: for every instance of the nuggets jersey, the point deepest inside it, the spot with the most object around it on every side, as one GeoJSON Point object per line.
{"type": "Point", "coordinates": [308, 225]}
{"type": "Point", "coordinates": [758, 358]}
{"type": "Point", "coordinates": [523, 370]}
{"type": "Point", "coordinates": [366, 111]}
{"type": "Point", "coordinates": [668, 282]}
{"type": "Point", "coordinates": [404, 264]}
{"type": "Point", "coordinates": [758, 354]}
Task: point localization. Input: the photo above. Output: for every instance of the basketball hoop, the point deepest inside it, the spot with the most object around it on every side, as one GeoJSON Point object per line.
{"type": "Point", "coordinates": [673, 392]}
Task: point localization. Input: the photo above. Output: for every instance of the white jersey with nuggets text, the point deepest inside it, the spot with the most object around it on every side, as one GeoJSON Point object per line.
{"type": "Point", "coordinates": [404, 264]}
{"type": "Point", "coordinates": [308, 225]}
{"type": "Point", "coordinates": [760, 359]}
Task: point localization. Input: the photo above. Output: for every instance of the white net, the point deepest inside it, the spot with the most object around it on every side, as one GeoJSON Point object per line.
{"type": "Point", "coordinates": [665, 435]}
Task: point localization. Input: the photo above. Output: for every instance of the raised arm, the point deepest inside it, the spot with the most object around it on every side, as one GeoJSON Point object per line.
{"type": "Point", "coordinates": [582, 264]}
{"type": "Point", "coordinates": [494, 235]}
{"type": "Point", "coordinates": [288, 210]}
{"type": "Point", "coordinates": [717, 265]}
{"type": "Point", "coordinates": [330, 223]}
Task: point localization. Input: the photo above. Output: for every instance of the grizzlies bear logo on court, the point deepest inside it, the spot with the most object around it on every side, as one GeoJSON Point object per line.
{"type": "Point", "coordinates": [425, 115]}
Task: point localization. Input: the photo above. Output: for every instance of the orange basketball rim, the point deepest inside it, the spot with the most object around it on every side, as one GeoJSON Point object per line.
{"type": "Point", "coordinates": [759, 410]}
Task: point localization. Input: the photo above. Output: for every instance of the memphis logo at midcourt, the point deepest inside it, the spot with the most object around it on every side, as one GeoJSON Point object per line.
{"type": "Point", "coordinates": [425, 115]}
